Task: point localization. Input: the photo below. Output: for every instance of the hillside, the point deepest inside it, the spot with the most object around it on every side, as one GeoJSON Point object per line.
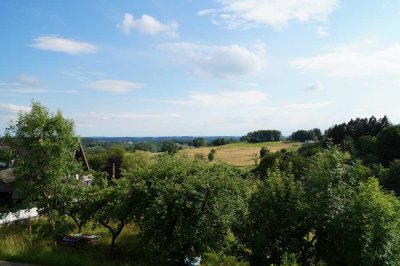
{"type": "Point", "coordinates": [242, 153]}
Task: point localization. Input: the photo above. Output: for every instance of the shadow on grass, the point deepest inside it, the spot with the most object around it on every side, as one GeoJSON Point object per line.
{"type": "Point", "coordinates": [15, 245]}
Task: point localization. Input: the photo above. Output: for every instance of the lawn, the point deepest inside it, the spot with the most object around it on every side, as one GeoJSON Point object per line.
{"type": "Point", "coordinates": [19, 245]}
{"type": "Point", "coordinates": [242, 154]}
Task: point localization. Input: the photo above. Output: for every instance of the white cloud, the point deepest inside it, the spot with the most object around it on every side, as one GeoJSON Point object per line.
{"type": "Point", "coordinates": [24, 90]}
{"type": "Point", "coordinates": [117, 86]}
{"type": "Point", "coordinates": [305, 106]}
{"type": "Point", "coordinates": [217, 61]}
{"type": "Point", "coordinates": [129, 115]}
{"type": "Point", "coordinates": [148, 25]}
{"type": "Point", "coordinates": [276, 13]}
{"type": "Point", "coordinates": [7, 84]}
{"type": "Point", "coordinates": [225, 99]}
{"type": "Point", "coordinates": [295, 106]}
{"type": "Point", "coordinates": [353, 60]}
{"type": "Point", "coordinates": [122, 120]}
{"type": "Point", "coordinates": [58, 44]}
{"type": "Point", "coordinates": [13, 109]}
{"type": "Point", "coordinates": [28, 80]}
{"type": "Point", "coordinates": [315, 86]}
{"type": "Point", "coordinates": [322, 31]}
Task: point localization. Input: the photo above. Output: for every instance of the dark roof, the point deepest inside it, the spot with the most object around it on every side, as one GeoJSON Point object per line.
{"type": "Point", "coordinates": [81, 157]}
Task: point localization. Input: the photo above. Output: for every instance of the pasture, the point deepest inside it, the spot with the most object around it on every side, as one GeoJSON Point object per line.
{"type": "Point", "coordinates": [242, 154]}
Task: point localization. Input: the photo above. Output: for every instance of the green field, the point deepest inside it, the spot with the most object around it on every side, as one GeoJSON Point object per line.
{"type": "Point", "coordinates": [242, 154]}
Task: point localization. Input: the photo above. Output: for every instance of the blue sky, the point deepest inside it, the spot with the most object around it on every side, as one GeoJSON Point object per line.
{"type": "Point", "coordinates": [210, 67]}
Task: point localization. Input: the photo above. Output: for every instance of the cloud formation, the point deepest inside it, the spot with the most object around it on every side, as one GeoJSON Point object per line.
{"type": "Point", "coordinates": [56, 43]}
{"type": "Point", "coordinates": [217, 61]}
{"type": "Point", "coordinates": [13, 109]}
{"type": "Point", "coordinates": [148, 25]}
{"type": "Point", "coordinates": [315, 86]}
{"type": "Point", "coordinates": [353, 60]}
{"type": "Point", "coordinates": [275, 13]}
{"type": "Point", "coordinates": [28, 80]}
{"type": "Point", "coordinates": [322, 31]}
{"type": "Point", "coordinates": [116, 86]}
{"type": "Point", "coordinates": [225, 99]}
{"type": "Point", "coordinates": [295, 106]}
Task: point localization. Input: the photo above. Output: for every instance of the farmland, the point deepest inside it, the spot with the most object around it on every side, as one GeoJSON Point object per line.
{"type": "Point", "coordinates": [242, 154]}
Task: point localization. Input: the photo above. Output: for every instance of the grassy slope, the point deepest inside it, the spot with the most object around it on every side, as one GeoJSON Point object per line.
{"type": "Point", "coordinates": [242, 153]}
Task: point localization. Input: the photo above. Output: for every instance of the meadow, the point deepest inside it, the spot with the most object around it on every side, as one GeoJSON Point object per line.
{"type": "Point", "coordinates": [19, 243]}
{"type": "Point", "coordinates": [242, 154]}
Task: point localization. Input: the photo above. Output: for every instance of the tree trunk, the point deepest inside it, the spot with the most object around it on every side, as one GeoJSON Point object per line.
{"type": "Point", "coordinates": [53, 223]}
{"type": "Point", "coordinates": [53, 229]}
{"type": "Point", "coordinates": [114, 233]}
{"type": "Point", "coordinates": [30, 232]}
{"type": "Point", "coordinates": [114, 237]}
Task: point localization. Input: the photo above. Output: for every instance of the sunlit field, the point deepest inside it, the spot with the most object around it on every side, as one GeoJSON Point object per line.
{"type": "Point", "coordinates": [242, 154]}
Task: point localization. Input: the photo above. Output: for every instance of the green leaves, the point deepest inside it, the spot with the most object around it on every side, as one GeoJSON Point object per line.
{"type": "Point", "coordinates": [189, 205]}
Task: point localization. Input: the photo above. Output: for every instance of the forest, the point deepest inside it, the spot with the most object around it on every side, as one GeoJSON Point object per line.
{"type": "Point", "coordinates": [333, 201]}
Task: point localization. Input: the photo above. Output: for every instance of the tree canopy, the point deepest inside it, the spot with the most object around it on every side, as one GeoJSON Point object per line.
{"type": "Point", "coordinates": [46, 146]}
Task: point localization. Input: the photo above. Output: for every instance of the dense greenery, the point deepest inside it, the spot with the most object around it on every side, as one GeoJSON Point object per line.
{"type": "Point", "coordinates": [303, 135]}
{"type": "Point", "coordinates": [320, 205]}
{"type": "Point", "coordinates": [189, 206]}
{"type": "Point", "coordinates": [46, 145]}
{"type": "Point", "coordinates": [262, 136]}
{"type": "Point", "coordinates": [356, 128]}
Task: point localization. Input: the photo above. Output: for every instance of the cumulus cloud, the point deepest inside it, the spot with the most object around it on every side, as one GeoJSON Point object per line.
{"type": "Point", "coordinates": [13, 108]}
{"type": "Point", "coordinates": [116, 86]}
{"type": "Point", "coordinates": [353, 60]}
{"type": "Point", "coordinates": [147, 25]}
{"type": "Point", "coordinates": [322, 31]}
{"type": "Point", "coordinates": [275, 13]}
{"type": "Point", "coordinates": [225, 99]}
{"type": "Point", "coordinates": [62, 45]}
{"type": "Point", "coordinates": [27, 80]}
{"type": "Point", "coordinates": [315, 86]}
{"type": "Point", "coordinates": [217, 61]}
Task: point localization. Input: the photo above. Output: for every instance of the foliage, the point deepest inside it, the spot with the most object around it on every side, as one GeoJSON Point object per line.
{"type": "Point", "coordinates": [267, 162]}
{"type": "Point", "coordinates": [303, 135]}
{"type": "Point", "coordinates": [262, 136]}
{"type": "Point", "coordinates": [188, 205]}
{"type": "Point", "coordinates": [211, 155]}
{"type": "Point", "coordinates": [221, 141]}
{"type": "Point", "coordinates": [137, 159]}
{"type": "Point", "coordinates": [199, 142]}
{"type": "Point", "coordinates": [114, 206]}
{"type": "Point", "coordinates": [275, 222]}
{"type": "Point", "coordinates": [309, 149]}
{"type": "Point", "coordinates": [371, 229]}
{"type": "Point", "coordinates": [357, 128]}
{"type": "Point", "coordinates": [388, 144]}
{"type": "Point", "coordinates": [169, 147]}
{"type": "Point", "coordinates": [264, 151]}
{"type": "Point", "coordinates": [46, 145]}
{"type": "Point", "coordinates": [391, 181]}
{"type": "Point", "coordinates": [75, 201]}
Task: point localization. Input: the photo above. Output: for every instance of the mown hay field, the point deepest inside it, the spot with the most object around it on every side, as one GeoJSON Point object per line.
{"type": "Point", "coordinates": [242, 154]}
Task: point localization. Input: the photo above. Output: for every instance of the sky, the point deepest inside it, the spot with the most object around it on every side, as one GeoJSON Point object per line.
{"type": "Point", "coordinates": [200, 68]}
